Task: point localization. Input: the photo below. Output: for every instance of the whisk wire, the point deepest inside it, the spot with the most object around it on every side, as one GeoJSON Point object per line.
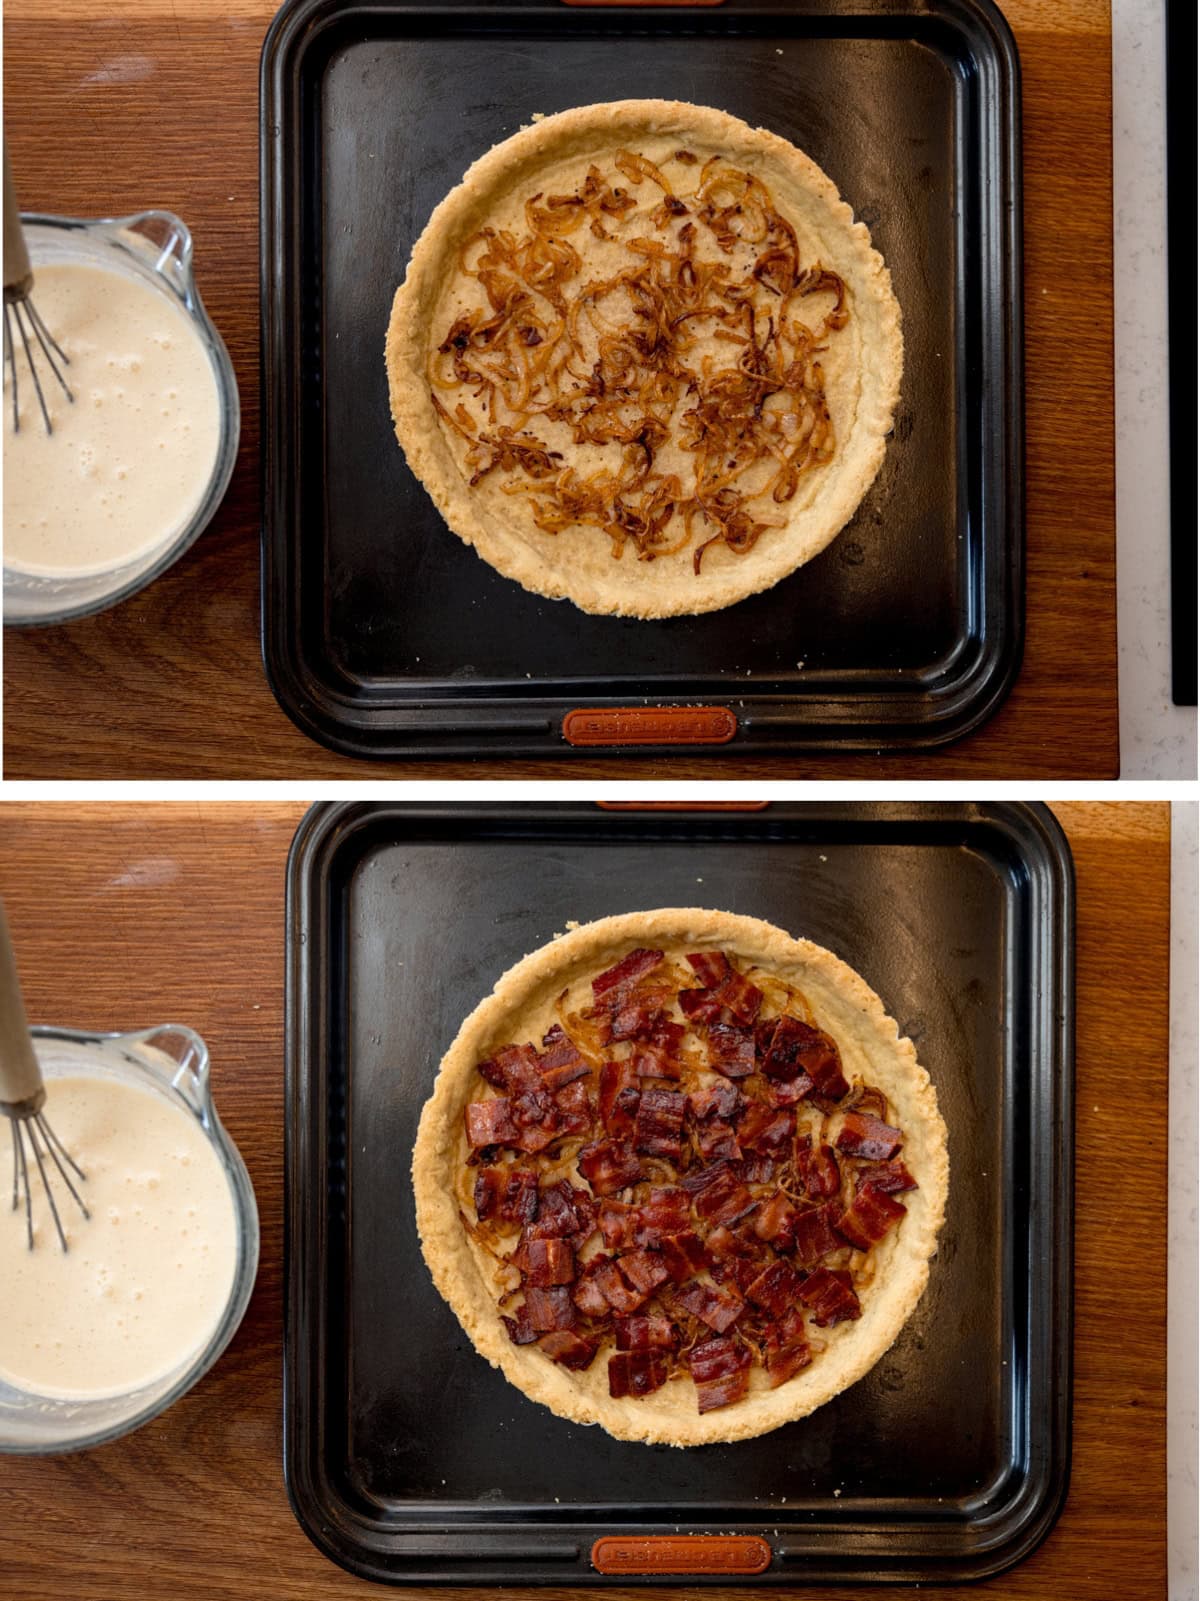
{"type": "Point", "coordinates": [22, 1167]}
{"type": "Point", "coordinates": [37, 1151]}
{"type": "Point", "coordinates": [47, 342]}
{"type": "Point", "coordinates": [11, 358]}
{"type": "Point", "coordinates": [58, 1151]}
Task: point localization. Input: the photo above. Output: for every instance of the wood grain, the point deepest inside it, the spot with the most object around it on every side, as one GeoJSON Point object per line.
{"type": "Point", "coordinates": [129, 914]}
{"type": "Point", "coordinates": [157, 101]}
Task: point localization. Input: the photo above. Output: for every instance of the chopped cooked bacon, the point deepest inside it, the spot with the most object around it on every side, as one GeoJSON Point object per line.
{"type": "Point", "coordinates": [575, 1110]}
{"type": "Point", "coordinates": [818, 1170]}
{"type": "Point", "coordinates": [636, 1373]}
{"type": "Point", "coordinates": [563, 1212]}
{"type": "Point", "coordinates": [646, 1334]}
{"type": "Point", "coordinates": [617, 1223]}
{"type": "Point", "coordinates": [667, 1212]}
{"type": "Point", "coordinates": [519, 1195]}
{"type": "Point", "coordinates": [616, 1290]}
{"type": "Point", "coordinates": [710, 967]}
{"type": "Point", "coordinates": [775, 1220]}
{"type": "Point", "coordinates": [786, 1348]}
{"type": "Point", "coordinates": [520, 1330]}
{"type": "Point", "coordinates": [550, 1262]}
{"type": "Point", "coordinates": [571, 1350]}
{"type": "Point", "coordinates": [491, 1123]}
{"type": "Point", "coordinates": [890, 1178]}
{"type": "Point", "coordinates": [658, 1130]}
{"type": "Point", "coordinates": [699, 1006]}
{"type": "Point", "coordinates": [668, 1036]}
{"type": "Point", "coordinates": [643, 1271]}
{"type": "Point", "coordinates": [781, 1094]}
{"type": "Point", "coordinates": [488, 1185]}
{"type": "Point", "coordinates": [755, 1169]}
{"type": "Point", "coordinates": [795, 1049]}
{"type": "Point", "coordinates": [513, 1068]}
{"type": "Point", "coordinates": [654, 1060]}
{"type": "Point", "coordinates": [616, 982]}
{"type": "Point", "coordinates": [609, 1166]}
{"type": "Point", "coordinates": [587, 1294]}
{"type": "Point", "coordinates": [740, 997]}
{"type": "Point", "coordinates": [775, 1289]}
{"type": "Point", "coordinates": [724, 1243]}
{"type": "Point", "coordinates": [720, 1309]}
{"type": "Point", "coordinates": [716, 1141]}
{"type": "Point", "coordinates": [718, 1194]}
{"type": "Point", "coordinates": [562, 1064]}
{"type": "Point", "coordinates": [636, 1019]}
{"type": "Point", "coordinates": [720, 1369]}
{"type": "Point", "coordinates": [869, 1216]}
{"type": "Point", "coordinates": [764, 1129]}
{"type": "Point", "coordinates": [862, 1134]}
{"type": "Point", "coordinates": [682, 1254]}
{"type": "Point", "coordinates": [731, 1048]}
{"type": "Point", "coordinates": [813, 1235]}
{"type": "Point", "coordinates": [830, 1297]}
{"type": "Point", "coordinates": [723, 1100]}
{"type": "Point", "coordinates": [618, 1097]}
{"type": "Point", "coordinates": [549, 1309]}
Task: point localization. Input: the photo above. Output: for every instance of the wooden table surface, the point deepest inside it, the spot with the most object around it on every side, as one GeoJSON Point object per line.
{"type": "Point", "coordinates": [127, 915]}
{"type": "Point", "coordinates": [114, 105]}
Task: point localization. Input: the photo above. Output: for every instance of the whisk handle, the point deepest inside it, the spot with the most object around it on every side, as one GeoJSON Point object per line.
{"type": "Point", "coordinates": [18, 274]}
{"type": "Point", "coordinates": [20, 1075]}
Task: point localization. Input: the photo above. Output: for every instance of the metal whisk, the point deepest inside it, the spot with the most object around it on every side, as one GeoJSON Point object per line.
{"type": "Point", "coordinates": [22, 1097]}
{"type": "Point", "coordinates": [20, 311]}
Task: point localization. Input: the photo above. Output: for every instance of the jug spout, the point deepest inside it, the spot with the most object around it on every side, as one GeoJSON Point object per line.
{"type": "Point", "coordinates": [187, 1065]}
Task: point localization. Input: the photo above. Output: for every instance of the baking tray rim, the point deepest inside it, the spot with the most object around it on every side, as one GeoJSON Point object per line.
{"type": "Point", "coordinates": [372, 726]}
{"type": "Point", "coordinates": [312, 1494]}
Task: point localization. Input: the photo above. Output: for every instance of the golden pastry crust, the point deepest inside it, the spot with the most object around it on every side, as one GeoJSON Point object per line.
{"type": "Point", "coordinates": [522, 1007]}
{"type": "Point", "coordinates": [862, 362]}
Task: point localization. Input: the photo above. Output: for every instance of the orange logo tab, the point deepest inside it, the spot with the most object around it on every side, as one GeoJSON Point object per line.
{"type": "Point", "coordinates": [681, 1553]}
{"type": "Point", "coordinates": [650, 725]}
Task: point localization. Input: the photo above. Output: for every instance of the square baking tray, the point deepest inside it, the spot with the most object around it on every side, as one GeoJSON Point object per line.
{"type": "Point", "coordinates": [384, 635]}
{"type": "Point", "coordinates": [408, 1458]}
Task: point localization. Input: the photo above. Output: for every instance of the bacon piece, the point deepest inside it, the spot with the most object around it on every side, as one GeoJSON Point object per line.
{"type": "Point", "coordinates": [636, 1019]}
{"type": "Point", "coordinates": [518, 1201]}
{"type": "Point", "coordinates": [755, 1169]}
{"type": "Point", "coordinates": [667, 1212]}
{"type": "Point", "coordinates": [490, 1123]}
{"type": "Point", "coordinates": [616, 982]}
{"type": "Point", "coordinates": [740, 997]}
{"type": "Point", "coordinates": [618, 1097]}
{"type": "Point", "coordinates": [776, 1221]}
{"type": "Point", "coordinates": [563, 1212]}
{"type": "Point", "coordinates": [731, 1048]}
{"type": "Point", "coordinates": [654, 1061]}
{"type": "Point", "coordinates": [720, 1309]}
{"type": "Point", "coordinates": [646, 1334]}
{"type": "Point", "coordinates": [796, 1049]}
{"type": "Point", "coordinates": [549, 1309]}
{"type": "Point", "coordinates": [781, 1051]}
{"type": "Point", "coordinates": [609, 1166]}
{"type": "Point", "coordinates": [830, 1297]}
{"type": "Point", "coordinates": [723, 1100]}
{"type": "Point", "coordinates": [643, 1271]}
{"type": "Point", "coordinates": [617, 1292]}
{"type": "Point", "coordinates": [699, 1006]}
{"type": "Point", "coordinates": [716, 1141]}
{"type": "Point", "coordinates": [817, 1170]}
{"type": "Point", "coordinates": [889, 1178]}
{"type": "Point", "coordinates": [718, 1194]}
{"type": "Point", "coordinates": [864, 1135]}
{"type": "Point", "coordinates": [575, 1110]}
{"type": "Point", "coordinates": [781, 1094]}
{"type": "Point", "coordinates": [682, 1254]}
{"type": "Point", "coordinates": [488, 1185]}
{"type": "Point", "coordinates": [869, 1216]}
{"type": "Point", "coordinates": [668, 1036]}
{"type": "Point", "coordinates": [710, 967]}
{"type": "Point", "coordinates": [766, 1130]}
{"type": "Point", "coordinates": [617, 1223]}
{"type": "Point", "coordinates": [520, 1330]}
{"type": "Point", "coordinates": [786, 1348]}
{"type": "Point", "coordinates": [658, 1130]}
{"type": "Point", "coordinates": [587, 1294]}
{"type": "Point", "coordinates": [636, 1373]}
{"type": "Point", "coordinates": [724, 1243]}
{"type": "Point", "coordinates": [775, 1289]}
{"type": "Point", "coordinates": [513, 1068]}
{"type": "Point", "coordinates": [813, 1236]}
{"type": "Point", "coordinates": [571, 1350]}
{"type": "Point", "coordinates": [561, 1064]}
{"type": "Point", "coordinates": [720, 1369]}
{"type": "Point", "coordinates": [550, 1262]}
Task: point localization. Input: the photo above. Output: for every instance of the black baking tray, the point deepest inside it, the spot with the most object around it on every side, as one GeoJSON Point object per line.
{"type": "Point", "coordinates": [384, 635]}
{"type": "Point", "coordinates": [409, 1459]}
